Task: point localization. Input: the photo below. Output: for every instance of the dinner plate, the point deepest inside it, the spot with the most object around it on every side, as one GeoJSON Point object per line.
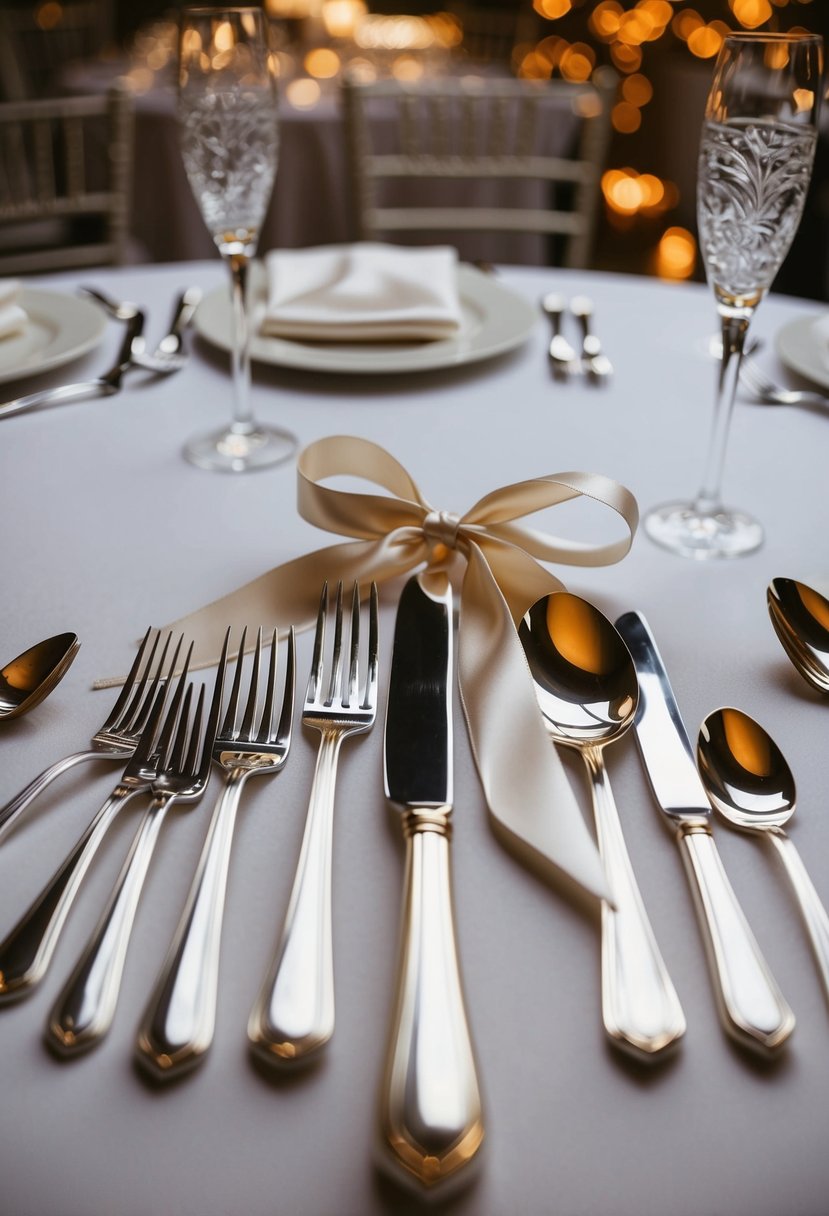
{"type": "Point", "coordinates": [494, 320]}
{"type": "Point", "coordinates": [803, 345]}
{"type": "Point", "coordinates": [60, 328]}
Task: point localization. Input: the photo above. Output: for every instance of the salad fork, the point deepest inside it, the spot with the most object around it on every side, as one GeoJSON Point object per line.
{"type": "Point", "coordinates": [118, 736]}
{"type": "Point", "coordinates": [27, 949]}
{"type": "Point", "coordinates": [179, 771]}
{"type": "Point", "coordinates": [177, 1028]}
{"type": "Point", "coordinates": [771, 393]}
{"type": "Point", "coordinates": [293, 1015]}
{"type": "Point", "coordinates": [171, 344]}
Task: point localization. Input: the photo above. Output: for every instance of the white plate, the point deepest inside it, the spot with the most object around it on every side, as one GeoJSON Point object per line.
{"type": "Point", "coordinates": [60, 328]}
{"type": "Point", "coordinates": [494, 320]}
{"type": "Point", "coordinates": [805, 349]}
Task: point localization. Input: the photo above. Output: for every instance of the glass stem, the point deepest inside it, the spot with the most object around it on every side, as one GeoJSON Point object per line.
{"type": "Point", "coordinates": [734, 326]}
{"type": "Point", "coordinates": [240, 356]}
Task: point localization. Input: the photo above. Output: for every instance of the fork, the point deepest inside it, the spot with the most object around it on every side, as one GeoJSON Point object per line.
{"type": "Point", "coordinates": [27, 949]}
{"type": "Point", "coordinates": [771, 393]}
{"type": "Point", "coordinates": [177, 1028]}
{"type": "Point", "coordinates": [593, 359]}
{"type": "Point", "coordinates": [179, 771]}
{"type": "Point", "coordinates": [119, 734]}
{"type": "Point", "coordinates": [293, 1015]}
{"type": "Point", "coordinates": [170, 345]}
{"type": "Point", "coordinates": [563, 358]}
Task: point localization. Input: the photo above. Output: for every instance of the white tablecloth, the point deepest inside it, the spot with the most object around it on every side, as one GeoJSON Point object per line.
{"type": "Point", "coordinates": [106, 530]}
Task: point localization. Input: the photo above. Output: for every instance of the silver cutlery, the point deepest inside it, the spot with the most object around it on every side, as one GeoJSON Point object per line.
{"type": "Point", "coordinates": [180, 771]}
{"type": "Point", "coordinates": [588, 702]}
{"type": "Point", "coordinates": [563, 358]}
{"type": "Point", "coordinates": [769, 392]}
{"type": "Point", "coordinates": [26, 680]}
{"type": "Point", "coordinates": [751, 1006]}
{"type": "Point", "coordinates": [178, 1024]}
{"type": "Point", "coordinates": [593, 359]}
{"type": "Point", "coordinates": [171, 344]}
{"type": "Point", "coordinates": [431, 1120]}
{"type": "Point", "coordinates": [800, 616]}
{"type": "Point", "coordinates": [119, 734]}
{"type": "Point", "coordinates": [751, 785]}
{"type": "Point", "coordinates": [27, 949]}
{"type": "Point", "coordinates": [293, 1016]}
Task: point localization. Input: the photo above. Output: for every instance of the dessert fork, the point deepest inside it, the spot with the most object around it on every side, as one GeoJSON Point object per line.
{"type": "Point", "coordinates": [293, 1015]}
{"type": "Point", "coordinates": [120, 733]}
{"type": "Point", "coordinates": [177, 1028]}
{"type": "Point", "coordinates": [771, 393]}
{"type": "Point", "coordinates": [27, 949]}
{"type": "Point", "coordinates": [179, 771]}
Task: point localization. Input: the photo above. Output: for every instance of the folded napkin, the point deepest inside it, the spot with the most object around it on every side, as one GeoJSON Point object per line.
{"type": "Point", "coordinates": [363, 292]}
{"type": "Point", "coordinates": [13, 318]}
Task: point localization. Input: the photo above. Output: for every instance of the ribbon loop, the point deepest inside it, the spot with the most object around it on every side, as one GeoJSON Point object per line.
{"type": "Point", "coordinates": [524, 782]}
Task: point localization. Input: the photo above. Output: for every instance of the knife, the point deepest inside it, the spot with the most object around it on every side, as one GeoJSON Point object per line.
{"type": "Point", "coordinates": [751, 1006]}
{"type": "Point", "coordinates": [430, 1112]}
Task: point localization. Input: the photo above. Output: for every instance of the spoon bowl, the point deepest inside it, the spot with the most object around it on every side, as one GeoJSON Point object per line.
{"type": "Point", "coordinates": [749, 782]}
{"type": "Point", "coordinates": [26, 680]}
{"type": "Point", "coordinates": [587, 690]}
{"type": "Point", "coordinates": [800, 616]}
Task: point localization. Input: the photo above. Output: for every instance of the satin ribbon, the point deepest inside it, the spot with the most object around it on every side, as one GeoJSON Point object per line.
{"type": "Point", "coordinates": [526, 788]}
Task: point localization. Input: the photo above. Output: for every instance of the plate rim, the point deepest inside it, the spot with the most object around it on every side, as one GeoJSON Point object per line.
{"type": "Point", "coordinates": [795, 330]}
{"type": "Point", "coordinates": [56, 306]}
{"type": "Point", "coordinates": [478, 288]}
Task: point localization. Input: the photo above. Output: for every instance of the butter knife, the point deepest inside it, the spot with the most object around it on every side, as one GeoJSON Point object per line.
{"type": "Point", "coordinates": [430, 1112]}
{"type": "Point", "coordinates": [752, 1008]}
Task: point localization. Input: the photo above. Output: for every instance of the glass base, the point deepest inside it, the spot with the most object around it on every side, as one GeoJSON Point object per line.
{"type": "Point", "coordinates": [237, 451]}
{"type": "Point", "coordinates": [685, 528]}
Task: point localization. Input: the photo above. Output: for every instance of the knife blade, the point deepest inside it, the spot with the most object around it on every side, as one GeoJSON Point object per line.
{"type": "Point", "coordinates": [752, 1008]}
{"type": "Point", "coordinates": [430, 1117]}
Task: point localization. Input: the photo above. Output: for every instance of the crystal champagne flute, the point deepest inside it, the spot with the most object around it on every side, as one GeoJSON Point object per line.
{"type": "Point", "coordinates": [755, 162]}
{"type": "Point", "coordinates": [229, 142]}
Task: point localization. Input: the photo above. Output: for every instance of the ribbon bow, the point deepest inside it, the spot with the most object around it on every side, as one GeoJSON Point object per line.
{"type": "Point", "coordinates": [525, 785]}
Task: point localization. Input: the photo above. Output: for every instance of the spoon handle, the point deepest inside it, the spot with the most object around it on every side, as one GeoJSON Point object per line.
{"type": "Point", "coordinates": [814, 913]}
{"type": "Point", "coordinates": [753, 1009]}
{"type": "Point", "coordinates": [640, 1007]}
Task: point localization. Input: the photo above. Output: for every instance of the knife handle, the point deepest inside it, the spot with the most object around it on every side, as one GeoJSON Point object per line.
{"type": "Point", "coordinates": [430, 1112]}
{"type": "Point", "coordinates": [752, 1007]}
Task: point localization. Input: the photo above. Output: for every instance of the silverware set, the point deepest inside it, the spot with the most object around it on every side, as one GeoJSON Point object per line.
{"type": "Point", "coordinates": [593, 681]}
{"type": "Point", "coordinates": [168, 357]}
{"type": "Point", "coordinates": [589, 360]}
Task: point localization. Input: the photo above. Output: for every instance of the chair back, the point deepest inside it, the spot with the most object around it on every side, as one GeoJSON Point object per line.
{"type": "Point", "coordinates": [38, 40]}
{"type": "Point", "coordinates": [477, 155]}
{"type": "Point", "coordinates": [65, 180]}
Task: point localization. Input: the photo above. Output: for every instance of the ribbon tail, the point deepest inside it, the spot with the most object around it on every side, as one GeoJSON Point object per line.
{"type": "Point", "coordinates": [524, 781]}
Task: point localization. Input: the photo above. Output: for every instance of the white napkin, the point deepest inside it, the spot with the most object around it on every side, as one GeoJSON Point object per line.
{"type": "Point", "coordinates": [362, 292]}
{"type": "Point", "coordinates": [13, 318]}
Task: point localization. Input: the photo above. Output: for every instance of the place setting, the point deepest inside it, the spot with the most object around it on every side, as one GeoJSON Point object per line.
{"type": "Point", "coordinates": [404, 819]}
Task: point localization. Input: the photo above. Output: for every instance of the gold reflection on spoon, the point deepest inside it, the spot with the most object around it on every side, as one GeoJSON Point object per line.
{"type": "Point", "coordinates": [748, 744]}
{"type": "Point", "coordinates": [579, 636]}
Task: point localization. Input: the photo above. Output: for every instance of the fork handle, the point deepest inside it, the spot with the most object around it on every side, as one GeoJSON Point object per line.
{"type": "Point", "coordinates": [13, 809]}
{"type": "Point", "coordinates": [177, 1027]}
{"type": "Point", "coordinates": [430, 1115]}
{"type": "Point", "coordinates": [293, 1015]}
{"type": "Point", "coordinates": [27, 949]}
{"type": "Point", "coordinates": [58, 396]}
{"type": "Point", "coordinates": [84, 1010]}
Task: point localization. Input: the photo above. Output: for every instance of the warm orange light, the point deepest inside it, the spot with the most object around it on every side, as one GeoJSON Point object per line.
{"type": "Point", "coordinates": [676, 254]}
{"type": "Point", "coordinates": [534, 67]}
{"type": "Point", "coordinates": [406, 67]}
{"type": "Point", "coordinates": [704, 42]}
{"type": "Point", "coordinates": [322, 62]}
{"type": "Point", "coordinates": [684, 23]}
{"type": "Point", "coordinates": [636, 27]}
{"type": "Point", "coordinates": [552, 9]}
{"type": "Point", "coordinates": [288, 8]}
{"type": "Point", "coordinates": [751, 13]}
{"type": "Point", "coordinates": [804, 99]}
{"type": "Point", "coordinates": [49, 15]}
{"type": "Point", "coordinates": [605, 19]}
{"type": "Point", "coordinates": [637, 89]}
{"type": "Point", "coordinates": [446, 28]}
{"type": "Point", "coordinates": [776, 56]}
{"type": "Point", "coordinates": [303, 93]}
{"type": "Point", "coordinates": [626, 58]}
{"type": "Point", "coordinates": [653, 191]}
{"type": "Point", "coordinates": [340, 17]}
{"type": "Point", "coordinates": [577, 62]}
{"type": "Point", "coordinates": [223, 36]}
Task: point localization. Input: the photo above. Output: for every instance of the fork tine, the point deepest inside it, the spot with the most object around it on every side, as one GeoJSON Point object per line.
{"type": "Point", "coordinates": [335, 684]}
{"type": "Point", "coordinates": [212, 727]}
{"type": "Point", "coordinates": [315, 674]}
{"type": "Point", "coordinates": [370, 698]}
{"type": "Point", "coordinates": [176, 741]}
{"type": "Point", "coordinates": [266, 721]}
{"type": "Point", "coordinates": [249, 721]}
{"type": "Point", "coordinates": [145, 745]}
{"type": "Point", "coordinates": [283, 730]}
{"type": "Point", "coordinates": [229, 723]}
{"type": "Point", "coordinates": [351, 693]}
{"type": "Point", "coordinates": [129, 684]}
{"type": "Point", "coordinates": [135, 723]}
{"type": "Point", "coordinates": [168, 729]}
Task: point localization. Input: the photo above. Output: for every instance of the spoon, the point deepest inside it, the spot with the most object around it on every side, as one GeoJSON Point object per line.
{"type": "Point", "coordinates": [562, 355]}
{"type": "Point", "coordinates": [26, 680]}
{"type": "Point", "coordinates": [594, 361]}
{"type": "Point", "coordinates": [587, 690]}
{"type": "Point", "coordinates": [751, 785]}
{"type": "Point", "coordinates": [800, 617]}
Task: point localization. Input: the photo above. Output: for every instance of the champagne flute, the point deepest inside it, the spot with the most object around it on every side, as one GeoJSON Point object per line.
{"type": "Point", "coordinates": [229, 143]}
{"type": "Point", "coordinates": [755, 161]}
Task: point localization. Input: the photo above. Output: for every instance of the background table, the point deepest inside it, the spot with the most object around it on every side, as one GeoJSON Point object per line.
{"type": "Point", "coordinates": [106, 530]}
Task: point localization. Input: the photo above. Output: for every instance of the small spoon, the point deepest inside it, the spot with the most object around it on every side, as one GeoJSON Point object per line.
{"type": "Point", "coordinates": [800, 616]}
{"type": "Point", "coordinates": [26, 680]}
{"type": "Point", "coordinates": [563, 357]}
{"type": "Point", "coordinates": [751, 785]}
{"type": "Point", "coordinates": [587, 690]}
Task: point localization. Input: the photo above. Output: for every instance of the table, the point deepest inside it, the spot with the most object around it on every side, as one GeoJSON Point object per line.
{"type": "Point", "coordinates": [107, 530]}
